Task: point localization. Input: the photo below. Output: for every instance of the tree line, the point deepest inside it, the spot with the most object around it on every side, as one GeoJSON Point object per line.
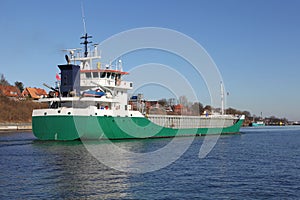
{"type": "Point", "coordinates": [198, 108]}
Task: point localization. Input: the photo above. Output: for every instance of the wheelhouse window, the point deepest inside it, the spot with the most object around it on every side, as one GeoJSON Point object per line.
{"type": "Point", "coordinates": [108, 74]}
{"type": "Point", "coordinates": [113, 75]}
{"type": "Point", "coordinates": [95, 74]}
{"type": "Point", "coordinates": [102, 74]}
{"type": "Point", "coordinates": [88, 75]}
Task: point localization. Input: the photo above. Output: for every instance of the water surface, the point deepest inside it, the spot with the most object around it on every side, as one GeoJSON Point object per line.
{"type": "Point", "coordinates": [260, 163]}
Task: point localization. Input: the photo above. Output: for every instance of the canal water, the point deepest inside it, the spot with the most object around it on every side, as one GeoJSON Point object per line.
{"type": "Point", "coordinates": [259, 163]}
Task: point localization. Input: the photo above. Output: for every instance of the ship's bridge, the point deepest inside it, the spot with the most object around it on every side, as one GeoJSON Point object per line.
{"type": "Point", "coordinates": [104, 77]}
{"type": "Point", "coordinates": [93, 73]}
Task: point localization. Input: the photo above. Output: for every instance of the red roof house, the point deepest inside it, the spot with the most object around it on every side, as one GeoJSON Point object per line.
{"type": "Point", "coordinates": [34, 93]}
{"type": "Point", "coordinates": [10, 91]}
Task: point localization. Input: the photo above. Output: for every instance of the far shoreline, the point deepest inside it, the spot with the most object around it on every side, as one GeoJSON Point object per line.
{"type": "Point", "coordinates": [15, 126]}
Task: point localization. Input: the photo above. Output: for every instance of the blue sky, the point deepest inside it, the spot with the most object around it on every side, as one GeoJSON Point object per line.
{"type": "Point", "coordinates": [255, 44]}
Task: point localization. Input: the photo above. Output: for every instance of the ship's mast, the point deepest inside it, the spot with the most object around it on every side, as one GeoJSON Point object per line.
{"type": "Point", "coordinates": [85, 43]}
{"type": "Point", "coordinates": [222, 98]}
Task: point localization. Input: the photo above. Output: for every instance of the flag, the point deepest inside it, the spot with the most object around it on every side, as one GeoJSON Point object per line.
{"type": "Point", "coordinates": [57, 77]}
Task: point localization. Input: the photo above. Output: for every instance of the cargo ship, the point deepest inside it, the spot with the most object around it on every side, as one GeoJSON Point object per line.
{"type": "Point", "coordinates": [258, 123]}
{"type": "Point", "coordinates": [91, 102]}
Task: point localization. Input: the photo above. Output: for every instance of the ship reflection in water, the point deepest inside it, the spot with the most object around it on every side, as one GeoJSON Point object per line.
{"type": "Point", "coordinates": [75, 173]}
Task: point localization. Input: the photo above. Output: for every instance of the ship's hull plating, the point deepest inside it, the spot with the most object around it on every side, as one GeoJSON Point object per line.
{"type": "Point", "coordinates": [107, 127]}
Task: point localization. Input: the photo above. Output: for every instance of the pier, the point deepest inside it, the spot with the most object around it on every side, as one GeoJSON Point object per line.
{"type": "Point", "coordinates": [15, 126]}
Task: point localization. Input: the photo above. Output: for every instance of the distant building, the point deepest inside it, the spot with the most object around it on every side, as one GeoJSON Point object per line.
{"type": "Point", "coordinates": [34, 93]}
{"type": "Point", "coordinates": [152, 104]}
{"type": "Point", "coordinates": [10, 91]}
{"type": "Point", "coordinates": [181, 110]}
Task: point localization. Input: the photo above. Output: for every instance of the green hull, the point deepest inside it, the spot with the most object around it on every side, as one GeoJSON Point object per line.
{"type": "Point", "coordinates": [106, 127]}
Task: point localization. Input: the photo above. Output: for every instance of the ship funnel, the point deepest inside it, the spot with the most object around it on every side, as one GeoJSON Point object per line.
{"type": "Point", "coordinates": [70, 80]}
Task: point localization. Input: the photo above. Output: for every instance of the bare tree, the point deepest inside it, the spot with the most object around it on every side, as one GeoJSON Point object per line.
{"type": "Point", "coordinates": [183, 101]}
{"type": "Point", "coordinates": [3, 81]}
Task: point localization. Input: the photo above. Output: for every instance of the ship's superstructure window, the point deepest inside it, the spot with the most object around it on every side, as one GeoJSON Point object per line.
{"type": "Point", "coordinates": [95, 74]}
{"type": "Point", "coordinates": [102, 74]}
{"type": "Point", "coordinates": [113, 75]}
{"type": "Point", "coordinates": [88, 75]}
{"type": "Point", "coordinates": [107, 74]}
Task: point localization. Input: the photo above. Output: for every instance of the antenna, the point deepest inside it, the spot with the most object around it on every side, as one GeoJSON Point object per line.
{"type": "Point", "coordinates": [83, 17]}
{"type": "Point", "coordinates": [85, 36]}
